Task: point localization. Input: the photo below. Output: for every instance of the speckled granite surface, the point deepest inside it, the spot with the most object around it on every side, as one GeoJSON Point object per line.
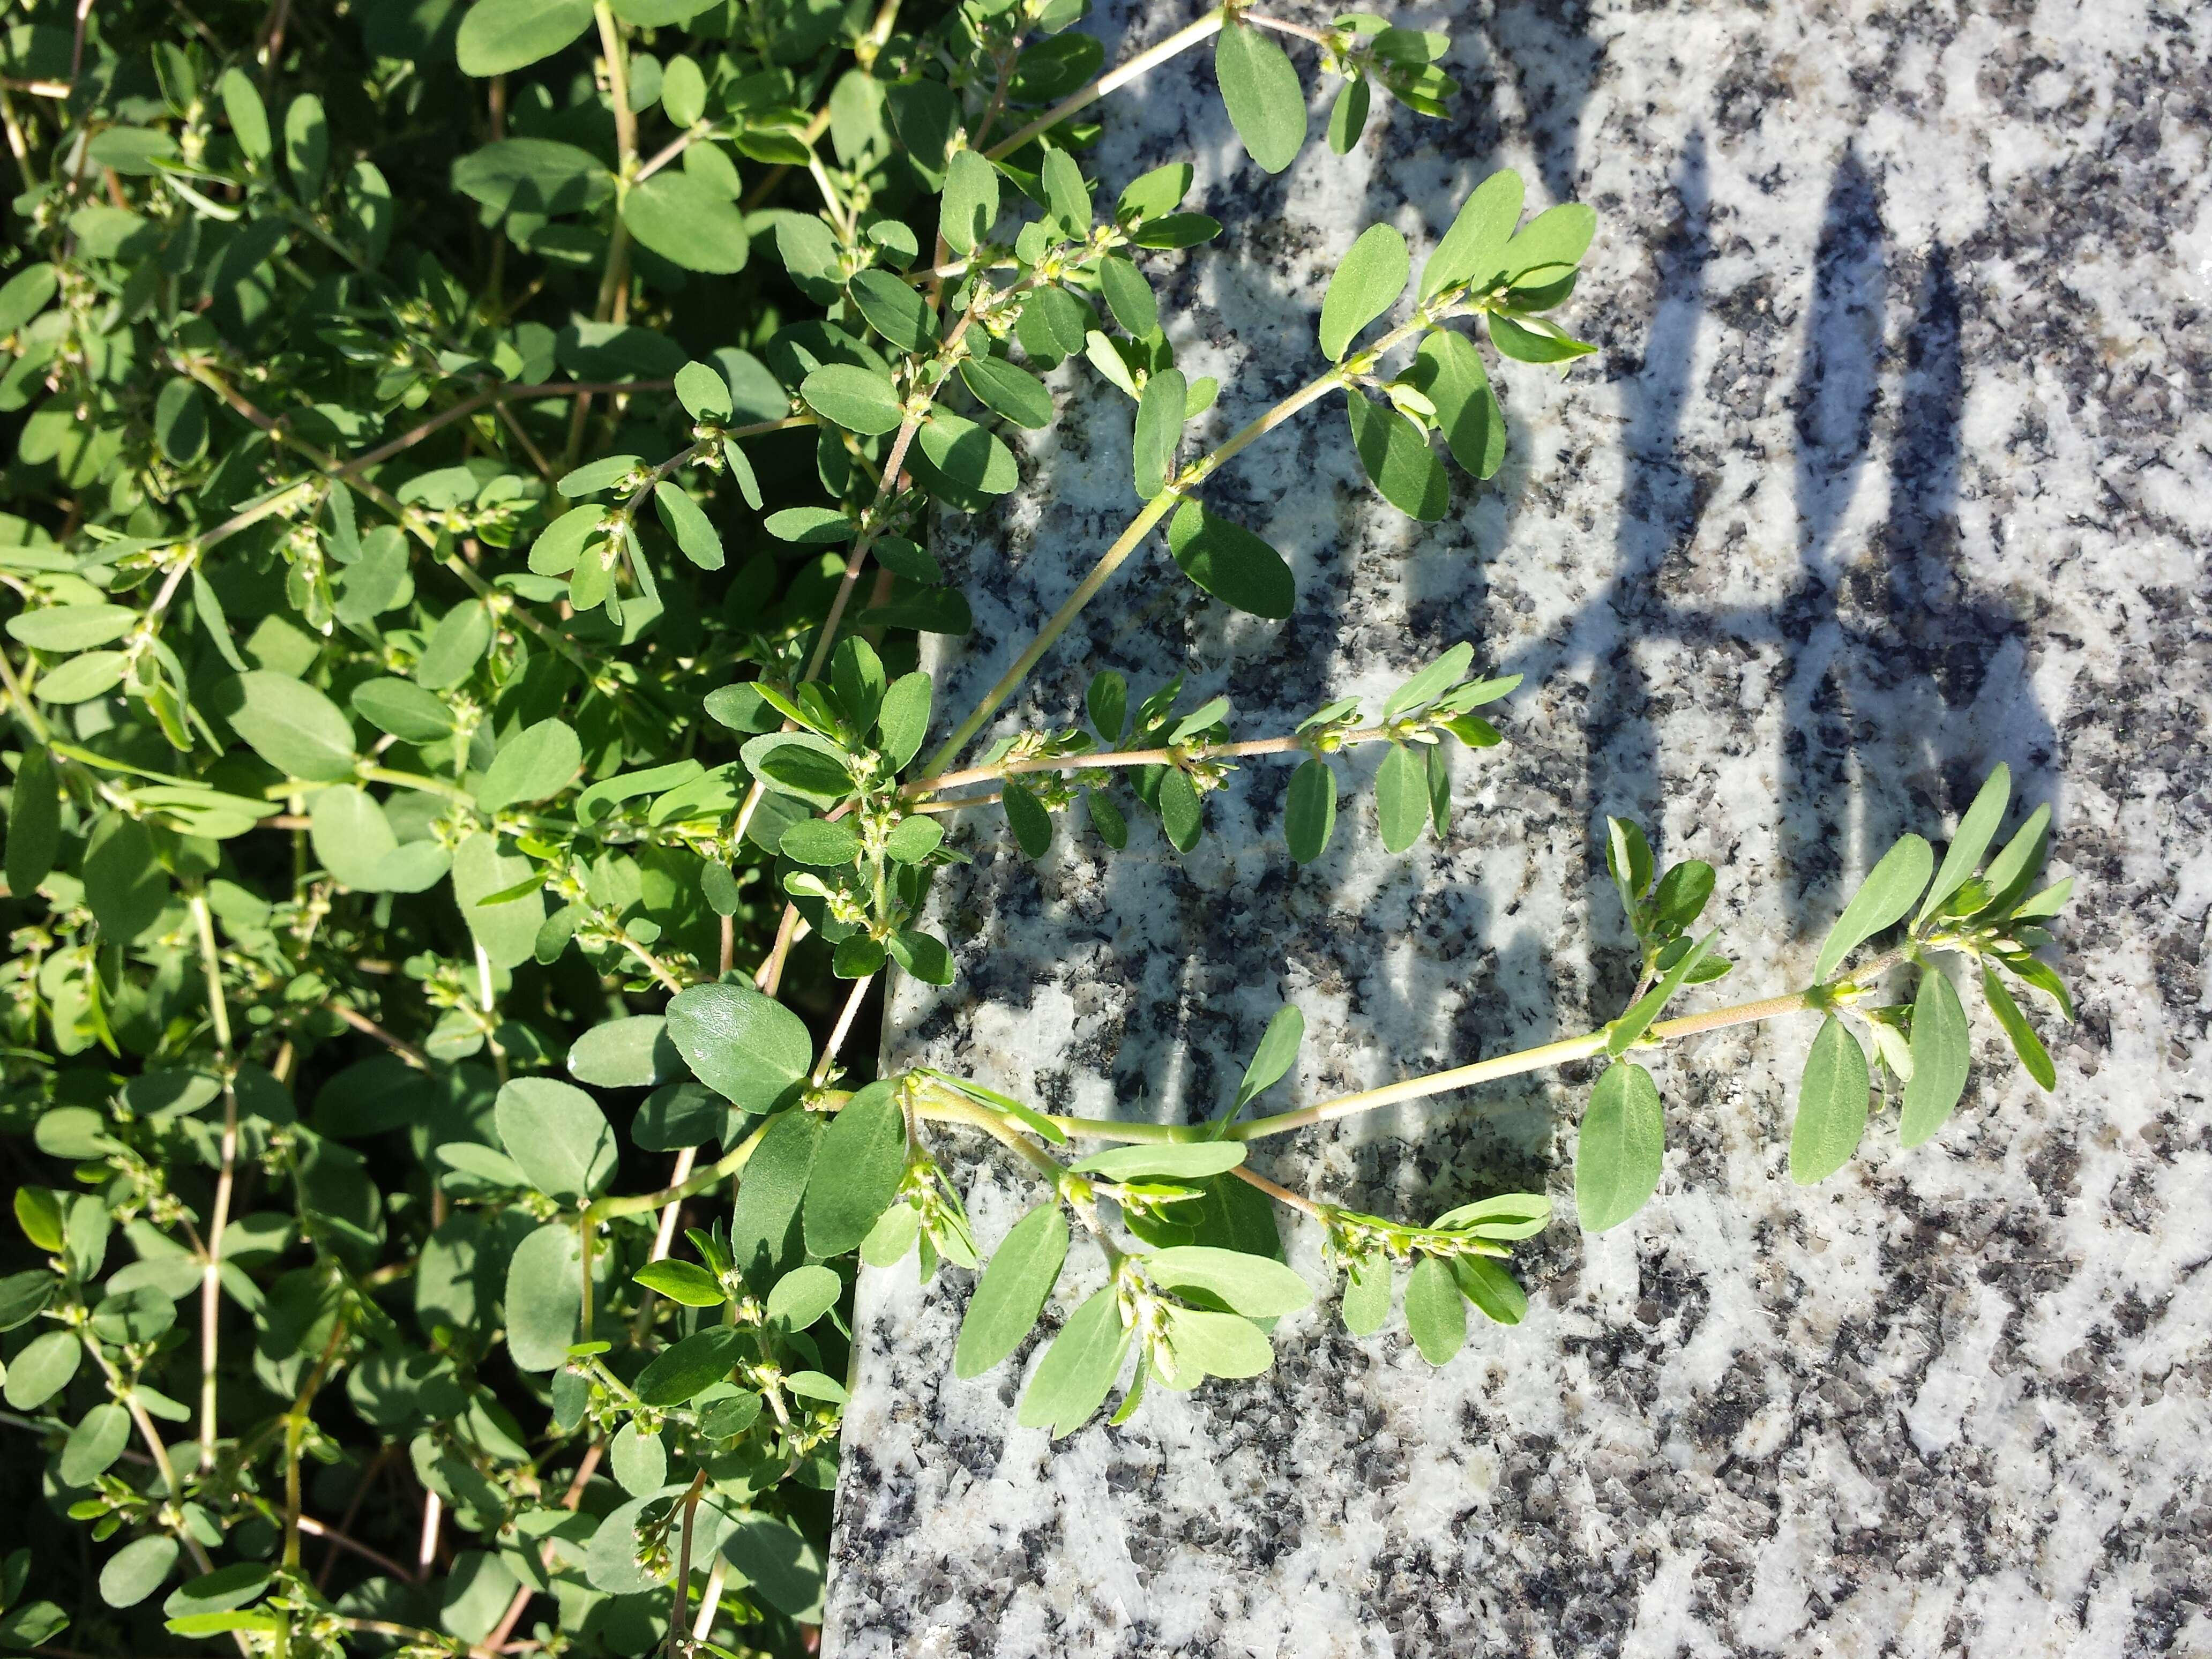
{"type": "Point", "coordinates": [1894, 465]}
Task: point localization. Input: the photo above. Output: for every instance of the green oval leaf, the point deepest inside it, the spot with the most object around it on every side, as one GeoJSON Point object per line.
{"type": "Point", "coordinates": [1255, 1286]}
{"type": "Point", "coordinates": [1310, 810]}
{"type": "Point", "coordinates": [1621, 1147]}
{"type": "Point", "coordinates": [1011, 1293]}
{"type": "Point", "coordinates": [1888, 891]}
{"type": "Point", "coordinates": [1401, 798]}
{"type": "Point", "coordinates": [1473, 250]}
{"type": "Point", "coordinates": [1183, 1160]}
{"type": "Point", "coordinates": [856, 1170]}
{"type": "Point", "coordinates": [859, 399]}
{"type": "Point", "coordinates": [1832, 1100]}
{"type": "Point", "coordinates": [1396, 456]}
{"type": "Point", "coordinates": [1260, 86]}
{"type": "Point", "coordinates": [1030, 823]}
{"type": "Point", "coordinates": [293, 727]}
{"type": "Point", "coordinates": [690, 1367]}
{"type": "Point", "coordinates": [803, 1296]}
{"type": "Point", "coordinates": [136, 1570]}
{"type": "Point", "coordinates": [2025, 1043]}
{"type": "Point", "coordinates": [895, 310]}
{"type": "Point", "coordinates": [557, 1135]}
{"type": "Point", "coordinates": [537, 762]}
{"type": "Point", "coordinates": [686, 1282]}
{"type": "Point", "coordinates": [1008, 390]}
{"type": "Point", "coordinates": [1078, 1369]}
{"type": "Point", "coordinates": [747, 1047]}
{"type": "Point", "coordinates": [1366, 284]}
{"type": "Point", "coordinates": [1436, 1312]}
{"type": "Point", "coordinates": [1230, 562]}
{"type": "Point", "coordinates": [43, 1369]}
{"type": "Point", "coordinates": [1942, 1054]}
{"type": "Point", "coordinates": [1977, 829]}
{"type": "Point", "coordinates": [687, 222]}
{"type": "Point", "coordinates": [499, 36]}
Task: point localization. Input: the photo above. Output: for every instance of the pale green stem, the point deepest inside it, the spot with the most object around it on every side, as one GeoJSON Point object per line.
{"type": "Point", "coordinates": [1204, 29]}
{"type": "Point", "coordinates": [1141, 525]}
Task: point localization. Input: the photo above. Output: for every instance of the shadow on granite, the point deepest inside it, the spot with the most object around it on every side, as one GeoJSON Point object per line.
{"type": "Point", "coordinates": [1889, 469]}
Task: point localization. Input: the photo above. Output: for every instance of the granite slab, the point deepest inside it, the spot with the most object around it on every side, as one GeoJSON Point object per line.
{"type": "Point", "coordinates": [1891, 466]}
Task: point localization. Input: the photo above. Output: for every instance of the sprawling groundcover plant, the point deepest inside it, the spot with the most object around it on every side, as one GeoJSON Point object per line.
{"type": "Point", "coordinates": [467, 549]}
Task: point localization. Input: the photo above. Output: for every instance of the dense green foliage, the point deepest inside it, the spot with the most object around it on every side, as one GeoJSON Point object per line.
{"type": "Point", "coordinates": [467, 537]}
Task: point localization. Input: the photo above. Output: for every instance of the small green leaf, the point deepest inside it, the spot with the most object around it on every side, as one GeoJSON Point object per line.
{"type": "Point", "coordinates": [1365, 285]}
{"type": "Point", "coordinates": [1129, 296]}
{"type": "Point", "coordinates": [1494, 1292]}
{"type": "Point", "coordinates": [856, 1170]}
{"type": "Point", "coordinates": [630, 1051]}
{"type": "Point", "coordinates": [249, 116]}
{"type": "Point", "coordinates": [639, 1460]}
{"type": "Point", "coordinates": [820, 844]}
{"type": "Point", "coordinates": [1078, 1369]}
{"type": "Point", "coordinates": [1261, 87]}
{"type": "Point", "coordinates": [1011, 1293]}
{"type": "Point", "coordinates": [690, 1367]}
{"type": "Point", "coordinates": [1178, 1160]}
{"type": "Point", "coordinates": [973, 457]}
{"type": "Point", "coordinates": [1181, 819]}
{"type": "Point", "coordinates": [43, 1369]}
{"type": "Point", "coordinates": [1942, 1054]}
{"type": "Point", "coordinates": [1310, 810]}
{"type": "Point", "coordinates": [498, 36]}
{"type": "Point", "coordinates": [64, 627]}
{"type": "Point", "coordinates": [1448, 370]}
{"type": "Point", "coordinates": [1436, 1312]}
{"type": "Point", "coordinates": [1009, 390]}
{"type": "Point", "coordinates": [701, 390]}
{"type": "Point", "coordinates": [1396, 456]}
{"type": "Point", "coordinates": [1832, 1101]}
{"type": "Point", "coordinates": [1159, 430]}
{"type": "Point", "coordinates": [679, 214]}
{"type": "Point", "coordinates": [896, 310]}
{"type": "Point", "coordinates": [749, 1048]}
{"type": "Point", "coordinates": [1531, 345]}
{"type": "Point", "coordinates": [903, 722]}
{"type": "Point", "coordinates": [913, 840]}
{"type": "Point", "coordinates": [923, 955]}
{"type": "Point", "coordinates": [1473, 250]}
{"type": "Point", "coordinates": [859, 399]}
{"type": "Point", "coordinates": [1278, 1048]}
{"type": "Point", "coordinates": [557, 1135]}
{"type": "Point", "coordinates": [1401, 798]}
{"type": "Point", "coordinates": [1975, 832]}
{"type": "Point", "coordinates": [686, 1282]}
{"type": "Point", "coordinates": [1365, 1305]}
{"type": "Point", "coordinates": [1030, 823]}
{"type": "Point", "coordinates": [402, 709]}
{"type": "Point", "coordinates": [1230, 562]}
{"type": "Point", "coordinates": [537, 762]}
{"type": "Point", "coordinates": [1431, 682]}
{"type": "Point", "coordinates": [1254, 1285]}
{"type": "Point", "coordinates": [694, 532]}
{"type": "Point", "coordinates": [804, 1295]}
{"type": "Point", "coordinates": [1106, 700]}
{"type": "Point", "coordinates": [1065, 196]}
{"type": "Point", "coordinates": [969, 205]}
{"type": "Point", "coordinates": [1888, 891]}
{"type": "Point", "coordinates": [2022, 1037]}
{"type": "Point", "coordinates": [1154, 194]}
{"type": "Point", "coordinates": [1216, 1344]}
{"type": "Point", "coordinates": [455, 646]}
{"type": "Point", "coordinates": [1550, 245]}
{"type": "Point", "coordinates": [2021, 860]}
{"type": "Point", "coordinates": [545, 1297]}
{"type": "Point", "coordinates": [1347, 116]}
{"type": "Point", "coordinates": [764, 1232]}
{"type": "Point", "coordinates": [1620, 1149]}
{"type": "Point", "coordinates": [34, 821]}
{"type": "Point", "coordinates": [293, 727]}
{"type": "Point", "coordinates": [137, 1570]}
